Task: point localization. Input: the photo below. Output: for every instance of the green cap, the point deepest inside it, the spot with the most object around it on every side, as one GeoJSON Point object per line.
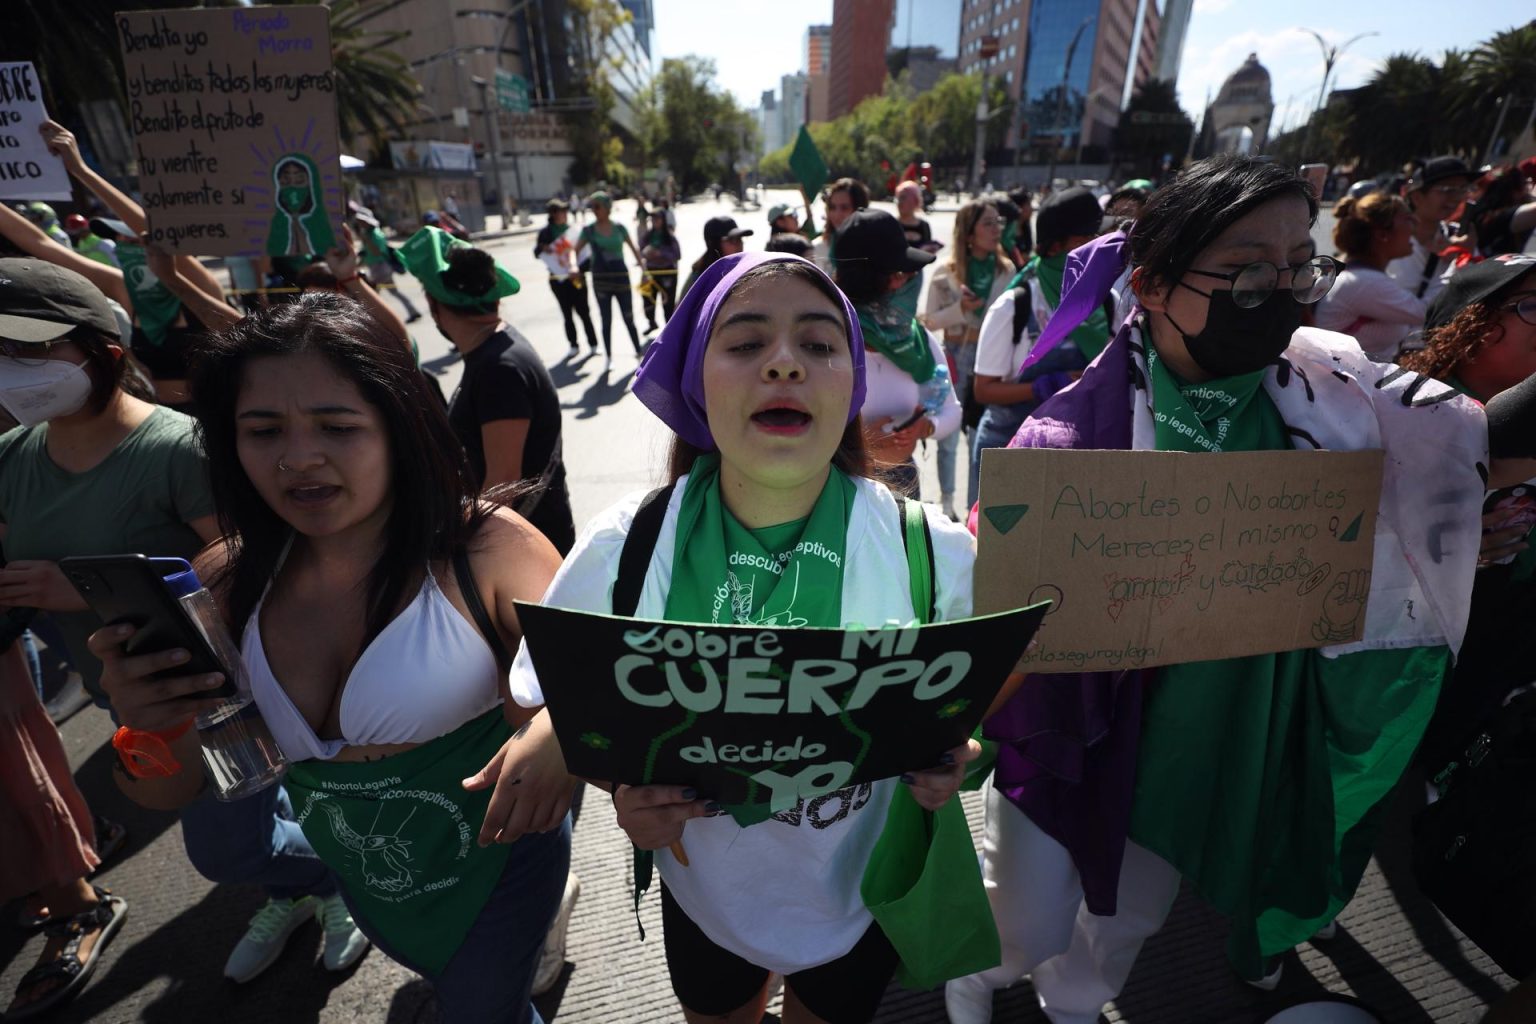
{"type": "Point", "coordinates": [426, 256]}
{"type": "Point", "coordinates": [600, 198]}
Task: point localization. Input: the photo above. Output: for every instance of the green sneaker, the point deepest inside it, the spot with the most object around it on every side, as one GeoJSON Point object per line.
{"type": "Point", "coordinates": [345, 944]}
{"type": "Point", "coordinates": [268, 933]}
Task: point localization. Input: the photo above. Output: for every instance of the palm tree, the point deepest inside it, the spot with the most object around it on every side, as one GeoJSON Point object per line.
{"type": "Point", "coordinates": [78, 62]}
{"type": "Point", "coordinates": [1504, 68]}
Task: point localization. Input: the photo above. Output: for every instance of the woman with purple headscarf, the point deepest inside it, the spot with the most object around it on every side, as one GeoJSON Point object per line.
{"type": "Point", "coordinates": [770, 518]}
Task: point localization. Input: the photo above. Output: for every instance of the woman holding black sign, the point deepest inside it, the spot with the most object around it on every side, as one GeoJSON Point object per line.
{"type": "Point", "coordinates": [373, 591]}
{"type": "Point", "coordinates": [1262, 779]}
{"type": "Point", "coordinates": [771, 518]}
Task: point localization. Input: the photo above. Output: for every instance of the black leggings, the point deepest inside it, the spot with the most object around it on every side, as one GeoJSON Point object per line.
{"type": "Point", "coordinates": [573, 303]}
{"type": "Point", "coordinates": [665, 295]}
{"type": "Point", "coordinates": [714, 981]}
{"type": "Point", "coordinates": [605, 301]}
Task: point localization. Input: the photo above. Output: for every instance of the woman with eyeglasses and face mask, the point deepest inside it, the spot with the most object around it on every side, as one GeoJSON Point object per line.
{"type": "Point", "coordinates": [1261, 780]}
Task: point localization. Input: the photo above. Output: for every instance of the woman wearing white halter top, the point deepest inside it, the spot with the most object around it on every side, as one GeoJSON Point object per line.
{"type": "Point", "coordinates": [375, 622]}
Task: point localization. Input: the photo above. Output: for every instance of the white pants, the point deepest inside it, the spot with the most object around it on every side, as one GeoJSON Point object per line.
{"type": "Point", "coordinates": [1077, 961]}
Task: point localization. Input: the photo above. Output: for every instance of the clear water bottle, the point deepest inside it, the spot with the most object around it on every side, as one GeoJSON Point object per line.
{"type": "Point", "coordinates": [238, 749]}
{"type": "Point", "coordinates": [934, 392]}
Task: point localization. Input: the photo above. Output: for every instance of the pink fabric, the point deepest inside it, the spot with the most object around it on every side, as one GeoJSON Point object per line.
{"type": "Point", "coordinates": [46, 837]}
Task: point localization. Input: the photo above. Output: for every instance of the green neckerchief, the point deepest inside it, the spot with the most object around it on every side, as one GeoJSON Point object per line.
{"type": "Point", "coordinates": [1092, 335]}
{"type": "Point", "coordinates": [399, 834]}
{"type": "Point", "coordinates": [155, 307]}
{"type": "Point", "coordinates": [979, 275]}
{"type": "Point", "coordinates": [790, 575]}
{"type": "Point", "coordinates": [905, 344]}
{"type": "Point", "coordinates": [1010, 236]}
{"type": "Point", "coordinates": [1218, 415]}
{"type": "Point", "coordinates": [301, 226]}
{"type": "Point", "coordinates": [1264, 779]}
{"type": "Point", "coordinates": [376, 252]}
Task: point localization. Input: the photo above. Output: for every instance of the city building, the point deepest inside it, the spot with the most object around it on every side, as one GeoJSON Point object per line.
{"type": "Point", "coordinates": [923, 65]}
{"type": "Point", "coordinates": [933, 23]}
{"type": "Point", "coordinates": [792, 105]}
{"type": "Point", "coordinates": [1057, 105]}
{"type": "Point", "coordinates": [1170, 39]}
{"type": "Point", "coordinates": [1238, 121]}
{"type": "Point", "coordinates": [861, 33]}
{"type": "Point", "coordinates": [770, 122]}
{"type": "Point", "coordinates": [455, 47]}
{"type": "Point", "coordinates": [818, 60]}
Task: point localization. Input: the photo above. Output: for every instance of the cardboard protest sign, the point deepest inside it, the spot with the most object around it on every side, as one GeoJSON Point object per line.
{"type": "Point", "coordinates": [752, 715]}
{"type": "Point", "coordinates": [233, 112]}
{"type": "Point", "coordinates": [1160, 558]}
{"type": "Point", "coordinates": [27, 169]}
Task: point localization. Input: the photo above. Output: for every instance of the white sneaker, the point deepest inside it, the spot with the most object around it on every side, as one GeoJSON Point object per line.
{"type": "Point", "coordinates": [268, 933]}
{"type": "Point", "coordinates": [968, 1000]}
{"type": "Point", "coordinates": [1327, 931]}
{"type": "Point", "coordinates": [1270, 981]}
{"type": "Point", "coordinates": [552, 956]}
{"type": "Point", "coordinates": [345, 943]}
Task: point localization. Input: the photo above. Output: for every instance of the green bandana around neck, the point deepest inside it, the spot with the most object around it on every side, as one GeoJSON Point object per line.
{"type": "Point", "coordinates": [1228, 415]}
{"type": "Point", "coordinates": [979, 275]}
{"type": "Point", "coordinates": [1092, 335]}
{"type": "Point", "coordinates": [903, 342]}
{"type": "Point", "coordinates": [426, 257]}
{"type": "Point", "coordinates": [784, 576]}
{"type": "Point", "coordinates": [1010, 237]}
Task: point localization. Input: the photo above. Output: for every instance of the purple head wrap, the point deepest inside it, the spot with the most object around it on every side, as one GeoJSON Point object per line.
{"type": "Point", "coordinates": [670, 380]}
{"type": "Point", "coordinates": [1090, 274]}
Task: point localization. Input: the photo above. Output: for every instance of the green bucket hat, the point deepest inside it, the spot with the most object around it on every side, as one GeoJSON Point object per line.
{"type": "Point", "coordinates": [426, 257]}
{"type": "Point", "coordinates": [600, 198]}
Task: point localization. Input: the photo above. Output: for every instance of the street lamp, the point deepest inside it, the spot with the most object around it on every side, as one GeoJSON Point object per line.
{"type": "Point", "coordinates": [1331, 55]}
{"type": "Point", "coordinates": [1061, 98]}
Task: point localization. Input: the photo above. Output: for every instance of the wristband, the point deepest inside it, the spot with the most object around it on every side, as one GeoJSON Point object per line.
{"type": "Point", "coordinates": [146, 754]}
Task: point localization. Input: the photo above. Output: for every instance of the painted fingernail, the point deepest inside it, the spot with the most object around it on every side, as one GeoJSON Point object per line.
{"type": "Point", "coordinates": [713, 807]}
{"type": "Point", "coordinates": [177, 656]}
{"type": "Point", "coordinates": [908, 778]}
{"type": "Point", "coordinates": [946, 758]}
{"type": "Point", "coordinates": [689, 793]}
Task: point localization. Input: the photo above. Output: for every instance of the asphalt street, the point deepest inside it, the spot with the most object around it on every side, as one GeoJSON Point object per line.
{"type": "Point", "coordinates": [1393, 951]}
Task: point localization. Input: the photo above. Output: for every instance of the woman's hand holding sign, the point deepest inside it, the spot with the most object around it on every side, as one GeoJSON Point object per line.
{"type": "Point", "coordinates": [654, 816]}
{"type": "Point", "coordinates": [933, 788]}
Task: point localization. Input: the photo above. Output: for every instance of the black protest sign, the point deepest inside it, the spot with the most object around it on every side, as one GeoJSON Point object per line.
{"type": "Point", "coordinates": [750, 715]}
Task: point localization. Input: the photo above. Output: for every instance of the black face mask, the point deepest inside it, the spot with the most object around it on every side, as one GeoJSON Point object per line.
{"type": "Point", "coordinates": [1236, 340]}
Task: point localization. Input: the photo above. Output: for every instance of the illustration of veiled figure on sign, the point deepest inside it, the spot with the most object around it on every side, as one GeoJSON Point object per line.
{"type": "Point", "coordinates": [300, 226]}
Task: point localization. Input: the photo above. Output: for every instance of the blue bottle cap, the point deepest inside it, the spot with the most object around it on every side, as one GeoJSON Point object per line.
{"type": "Point", "coordinates": [180, 578]}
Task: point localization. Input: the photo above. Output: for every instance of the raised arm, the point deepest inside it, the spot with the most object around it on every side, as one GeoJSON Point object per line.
{"type": "Point", "coordinates": [62, 144]}
{"type": "Point", "coordinates": [33, 241]}
{"type": "Point", "coordinates": [211, 309]}
{"type": "Point", "coordinates": [343, 262]}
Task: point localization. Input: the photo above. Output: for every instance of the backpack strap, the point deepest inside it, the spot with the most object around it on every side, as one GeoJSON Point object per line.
{"type": "Point", "coordinates": [1023, 310]}
{"type": "Point", "coordinates": [917, 539]}
{"type": "Point", "coordinates": [634, 561]}
{"type": "Point", "coordinates": [464, 576]}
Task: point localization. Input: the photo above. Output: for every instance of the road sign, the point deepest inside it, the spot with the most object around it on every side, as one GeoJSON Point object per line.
{"type": "Point", "coordinates": [990, 45]}
{"type": "Point", "coordinates": [511, 92]}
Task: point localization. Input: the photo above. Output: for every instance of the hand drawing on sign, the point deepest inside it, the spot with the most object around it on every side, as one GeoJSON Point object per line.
{"type": "Point", "coordinates": [1342, 606]}
{"type": "Point", "coordinates": [382, 855]}
{"type": "Point", "coordinates": [300, 224]}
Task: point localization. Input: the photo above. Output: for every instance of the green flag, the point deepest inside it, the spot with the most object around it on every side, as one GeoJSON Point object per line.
{"type": "Point", "coordinates": [805, 160]}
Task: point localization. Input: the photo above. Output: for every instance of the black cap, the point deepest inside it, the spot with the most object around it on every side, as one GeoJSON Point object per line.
{"type": "Point", "coordinates": [1438, 169]}
{"type": "Point", "coordinates": [40, 301]}
{"type": "Point", "coordinates": [1474, 283]}
{"type": "Point", "coordinates": [1072, 211]}
{"type": "Point", "coordinates": [875, 237]}
{"type": "Point", "coordinates": [106, 227]}
{"type": "Point", "coordinates": [717, 229]}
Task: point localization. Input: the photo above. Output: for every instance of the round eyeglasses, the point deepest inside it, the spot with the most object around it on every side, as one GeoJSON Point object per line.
{"type": "Point", "coordinates": [1256, 282]}
{"type": "Point", "coordinates": [29, 353]}
{"type": "Point", "coordinates": [1524, 308]}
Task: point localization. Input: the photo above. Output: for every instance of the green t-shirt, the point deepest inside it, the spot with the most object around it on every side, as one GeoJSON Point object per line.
{"type": "Point", "coordinates": [138, 500]}
{"type": "Point", "coordinates": [155, 307]}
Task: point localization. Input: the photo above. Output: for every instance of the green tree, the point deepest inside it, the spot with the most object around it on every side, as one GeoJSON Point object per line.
{"type": "Point", "coordinates": [78, 62]}
{"type": "Point", "coordinates": [1152, 126]}
{"type": "Point", "coordinates": [594, 24]}
{"type": "Point", "coordinates": [1504, 69]}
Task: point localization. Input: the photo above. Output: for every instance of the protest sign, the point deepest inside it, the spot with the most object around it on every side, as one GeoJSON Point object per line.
{"type": "Point", "coordinates": [233, 112]}
{"type": "Point", "coordinates": [1160, 558]}
{"type": "Point", "coordinates": [27, 169]}
{"type": "Point", "coordinates": [754, 715]}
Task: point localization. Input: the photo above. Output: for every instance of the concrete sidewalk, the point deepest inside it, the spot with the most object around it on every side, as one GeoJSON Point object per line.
{"type": "Point", "coordinates": [1393, 950]}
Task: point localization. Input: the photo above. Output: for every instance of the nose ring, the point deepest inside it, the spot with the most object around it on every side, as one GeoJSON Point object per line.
{"type": "Point", "coordinates": [282, 467]}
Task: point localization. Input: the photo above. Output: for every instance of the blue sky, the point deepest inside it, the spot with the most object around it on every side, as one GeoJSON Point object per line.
{"type": "Point", "coordinates": [753, 43]}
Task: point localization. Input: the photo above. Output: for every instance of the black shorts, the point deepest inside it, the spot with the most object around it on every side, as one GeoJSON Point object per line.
{"type": "Point", "coordinates": [713, 981]}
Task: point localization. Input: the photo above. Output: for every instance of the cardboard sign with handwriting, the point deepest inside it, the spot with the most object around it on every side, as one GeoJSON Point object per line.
{"type": "Point", "coordinates": [1160, 558]}
{"type": "Point", "coordinates": [233, 111]}
{"type": "Point", "coordinates": [27, 169]}
{"type": "Point", "coordinates": [764, 716]}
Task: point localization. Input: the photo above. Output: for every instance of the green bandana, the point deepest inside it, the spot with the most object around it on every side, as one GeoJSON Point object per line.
{"type": "Point", "coordinates": [904, 343]}
{"type": "Point", "coordinates": [1010, 236]}
{"type": "Point", "coordinates": [399, 834]}
{"type": "Point", "coordinates": [785, 576]}
{"type": "Point", "coordinates": [426, 256]}
{"type": "Point", "coordinates": [300, 224]}
{"type": "Point", "coordinates": [1092, 335]}
{"type": "Point", "coordinates": [979, 274]}
{"type": "Point", "coordinates": [1218, 415]}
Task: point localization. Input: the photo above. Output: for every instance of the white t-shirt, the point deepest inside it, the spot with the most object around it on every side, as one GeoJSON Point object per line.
{"type": "Point", "coordinates": [784, 893]}
{"type": "Point", "coordinates": [891, 392]}
{"type": "Point", "coordinates": [1372, 308]}
{"type": "Point", "coordinates": [996, 354]}
{"type": "Point", "coordinates": [1408, 272]}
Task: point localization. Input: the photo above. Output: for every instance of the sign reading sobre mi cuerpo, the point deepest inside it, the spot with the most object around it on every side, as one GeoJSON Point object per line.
{"type": "Point", "coordinates": [751, 715]}
{"type": "Point", "coordinates": [1161, 558]}
{"type": "Point", "coordinates": [233, 111]}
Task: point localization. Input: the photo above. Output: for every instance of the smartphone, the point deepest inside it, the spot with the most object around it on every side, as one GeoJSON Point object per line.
{"type": "Point", "coordinates": [917, 414]}
{"type": "Point", "coordinates": [131, 589]}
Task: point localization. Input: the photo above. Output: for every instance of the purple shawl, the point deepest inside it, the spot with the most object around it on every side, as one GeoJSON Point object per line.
{"type": "Point", "coordinates": [1067, 743]}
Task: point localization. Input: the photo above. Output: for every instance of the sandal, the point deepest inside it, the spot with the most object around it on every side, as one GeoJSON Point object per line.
{"type": "Point", "coordinates": [106, 917]}
{"type": "Point", "coordinates": [111, 837]}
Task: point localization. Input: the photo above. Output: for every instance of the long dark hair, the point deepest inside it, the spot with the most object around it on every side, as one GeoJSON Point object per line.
{"type": "Point", "coordinates": [851, 456]}
{"type": "Point", "coordinates": [434, 510]}
{"type": "Point", "coordinates": [1186, 215]}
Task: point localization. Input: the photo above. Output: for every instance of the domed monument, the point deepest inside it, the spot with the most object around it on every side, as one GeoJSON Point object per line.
{"type": "Point", "coordinates": [1238, 122]}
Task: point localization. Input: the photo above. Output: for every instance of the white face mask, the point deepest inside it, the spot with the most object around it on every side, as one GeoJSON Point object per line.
{"type": "Point", "coordinates": [48, 390]}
